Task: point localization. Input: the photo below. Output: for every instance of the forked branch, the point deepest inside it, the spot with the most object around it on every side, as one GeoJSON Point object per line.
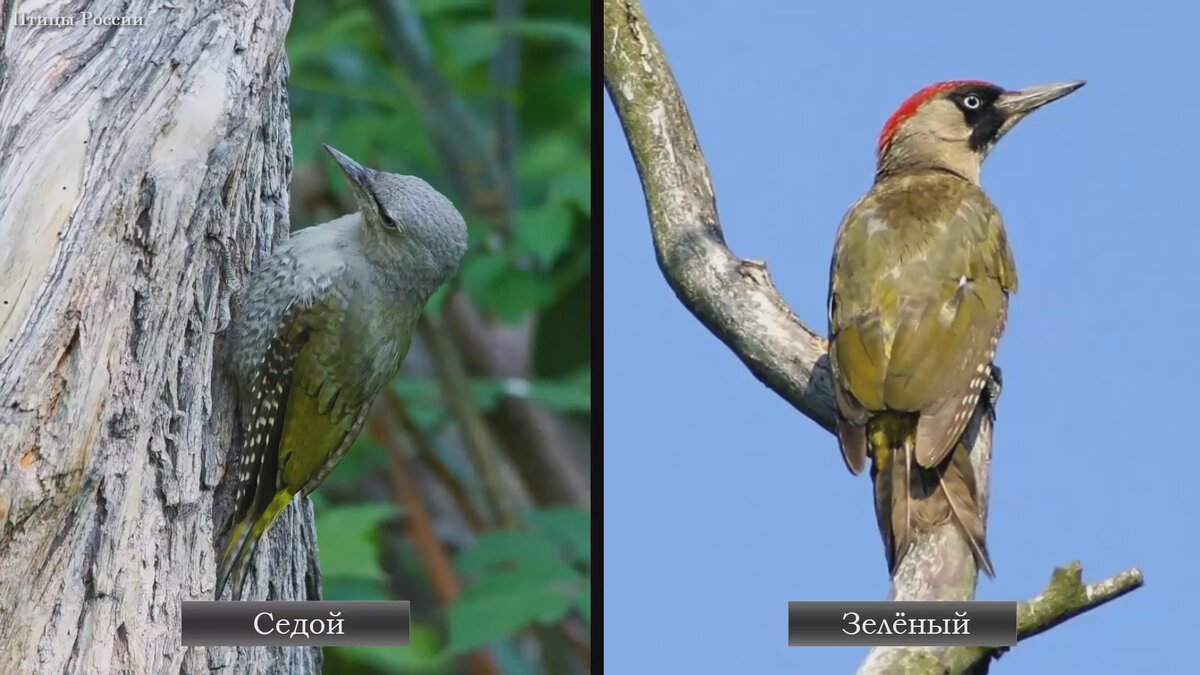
{"type": "Point", "coordinates": [736, 300]}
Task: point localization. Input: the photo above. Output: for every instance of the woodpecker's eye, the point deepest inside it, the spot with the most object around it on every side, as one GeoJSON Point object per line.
{"type": "Point", "coordinates": [387, 220]}
{"type": "Point", "coordinates": [972, 102]}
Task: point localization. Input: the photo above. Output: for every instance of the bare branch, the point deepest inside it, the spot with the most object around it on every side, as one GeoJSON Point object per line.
{"type": "Point", "coordinates": [429, 457]}
{"type": "Point", "coordinates": [505, 493]}
{"type": "Point", "coordinates": [506, 72]}
{"type": "Point", "coordinates": [1065, 597]}
{"type": "Point", "coordinates": [407, 490]}
{"type": "Point", "coordinates": [733, 298]}
{"type": "Point", "coordinates": [534, 438]}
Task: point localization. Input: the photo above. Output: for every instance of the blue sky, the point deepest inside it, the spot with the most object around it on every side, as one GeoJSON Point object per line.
{"type": "Point", "coordinates": [722, 502]}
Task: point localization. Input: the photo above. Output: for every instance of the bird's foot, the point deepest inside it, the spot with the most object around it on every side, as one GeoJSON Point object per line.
{"type": "Point", "coordinates": [991, 390]}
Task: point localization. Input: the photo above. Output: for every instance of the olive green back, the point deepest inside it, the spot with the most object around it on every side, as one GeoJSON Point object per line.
{"type": "Point", "coordinates": [918, 298]}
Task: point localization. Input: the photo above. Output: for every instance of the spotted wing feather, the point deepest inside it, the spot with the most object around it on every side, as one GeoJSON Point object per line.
{"type": "Point", "coordinates": [942, 424]}
{"type": "Point", "coordinates": [978, 322]}
{"type": "Point", "coordinates": [265, 406]}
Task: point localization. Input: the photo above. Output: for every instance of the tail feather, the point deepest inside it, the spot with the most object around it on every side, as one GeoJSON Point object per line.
{"type": "Point", "coordinates": [958, 483]}
{"type": "Point", "coordinates": [910, 498]}
{"type": "Point", "coordinates": [891, 473]}
{"type": "Point", "coordinates": [243, 542]}
{"type": "Point", "coordinates": [233, 548]}
{"type": "Point", "coordinates": [902, 503]}
{"type": "Point", "coordinates": [257, 502]}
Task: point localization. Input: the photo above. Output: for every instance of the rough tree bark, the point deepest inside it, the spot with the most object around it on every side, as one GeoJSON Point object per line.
{"type": "Point", "coordinates": [736, 300]}
{"type": "Point", "coordinates": [133, 160]}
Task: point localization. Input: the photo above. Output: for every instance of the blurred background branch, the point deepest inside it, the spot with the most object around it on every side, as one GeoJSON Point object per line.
{"type": "Point", "coordinates": [504, 494]}
{"type": "Point", "coordinates": [470, 496]}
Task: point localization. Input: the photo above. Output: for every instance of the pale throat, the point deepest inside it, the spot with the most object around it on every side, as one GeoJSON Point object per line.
{"type": "Point", "coordinates": [950, 155]}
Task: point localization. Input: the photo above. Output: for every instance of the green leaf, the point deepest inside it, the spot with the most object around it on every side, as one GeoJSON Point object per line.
{"type": "Point", "coordinates": [562, 396]}
{"type": "Point", "coordinates": [352, 589]}
{"type": "Point", "coordinates": [337, 88]}
{"type": "Point", "coordinates": [544, 232]}
{"type": "Point", "coordinates": [422, 397]}
{"type": "Point", "coordinates": [567, 32]}
{"type": "Point", "coordinates": [505, 602]}
{"type": "Point", "coordinates": [480, 273]}
{"type": "Point", "coordinates": [574, 187]}
{"type": "Point", "coordinates": [515, 294]}
{"type": "Point", "coordinates": [499, 547]}
{"type": "Point", "coordinates": [434, 8]}
{"type": "Point", "coordinates": [422, 656]}
{"type": "Point", "coordinates": [486, 393]}
{"type": "Point", "coordinates": [347, 542]}
{"type": "Point", "coordinates": [570, 527]}
{"type": "Point", "coordinates": [345, 26]}
{"type": "Point", "coordinates": [547, 156]}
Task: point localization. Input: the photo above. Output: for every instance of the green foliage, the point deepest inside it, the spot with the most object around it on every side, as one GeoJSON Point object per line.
{"type": "Point", "coordinates": [351, 588]}
{"type": "Point", "coordinates": [523, 578]}
{"type": "Point", "coordinates": [342, 27]}
{"type": "Point", "coordinates": [351, 531]}
{"type": "Point", "coordinates": [569, 528]}
{"type": "Point", "coordinates": [423, 396]}
{"type": "Point", "coordinates": [476, 41]}
{"type": "Point", "coordinates": [423, 655]}
{"type": "Point", "coordinates": [347, 90]}
{"type": "Point", "coordinates": [502, 547]}
{"type": "Point", "coordinates": [545, 232]}
{"type": "Point", "coordinates": [509, 600]}
{"type": "Point", "coordinates": [572, 393]}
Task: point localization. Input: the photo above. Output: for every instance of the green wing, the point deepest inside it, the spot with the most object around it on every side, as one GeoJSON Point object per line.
{"type": "Point", "coordinates": [918, 297]}
{"type": "Point", "coordinates": [336, 377]}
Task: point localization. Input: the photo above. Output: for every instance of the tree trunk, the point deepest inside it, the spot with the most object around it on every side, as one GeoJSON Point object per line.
{"type": "Point", "coordinates": [133, 161]}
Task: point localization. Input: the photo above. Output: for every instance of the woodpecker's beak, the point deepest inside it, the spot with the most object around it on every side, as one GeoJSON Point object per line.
{"type": "Point", "coordinates": [355, 172]}
{"type": "Point", "coordinates": [1024, 101]}
{"type": "Point", "coordinates": [1013, 106]}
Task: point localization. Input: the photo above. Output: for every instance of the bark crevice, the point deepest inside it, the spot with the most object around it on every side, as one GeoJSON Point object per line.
{"type": "Point", "coordinates": [127, 151]}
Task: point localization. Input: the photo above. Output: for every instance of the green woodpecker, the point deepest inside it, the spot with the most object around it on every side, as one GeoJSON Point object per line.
{"type": "Point", "coordinates": [918, 297]}
{"type": "Point", "coordinates": [323, 324]}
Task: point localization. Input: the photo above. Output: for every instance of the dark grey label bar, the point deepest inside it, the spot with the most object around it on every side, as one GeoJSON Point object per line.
{"type": "Point", "coordinates": [318, 623]}
{"type": "Point", "coordinates": [902, 624]}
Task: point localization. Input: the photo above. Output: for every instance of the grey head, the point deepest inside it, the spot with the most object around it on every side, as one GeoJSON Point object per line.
{"type": "Point", "coordinates": [407, 225]}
